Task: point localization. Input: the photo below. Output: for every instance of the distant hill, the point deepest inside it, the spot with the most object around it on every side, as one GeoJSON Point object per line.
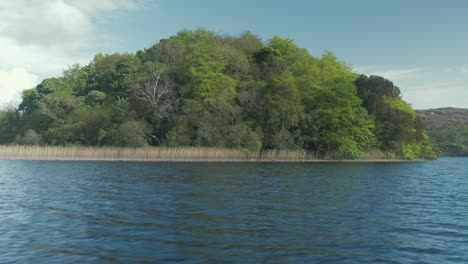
{"type": "Point", "coordinates": [448, 129]}
{"type": "Point", "coordinates": [444, 116]}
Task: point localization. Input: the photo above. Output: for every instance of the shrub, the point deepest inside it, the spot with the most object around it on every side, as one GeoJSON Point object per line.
{"type": "Point", "coordinates": [132, 134]}
{"type": "Point", "coordinates": [30, 137]}
{"type": "Point", "coordinates": [95, 97]}
{"type": "Point", "coordinates": [243, 137]}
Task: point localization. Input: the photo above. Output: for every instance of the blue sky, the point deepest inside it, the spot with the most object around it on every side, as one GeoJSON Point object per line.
{"type": "Point", "coordinates": [420, 45]}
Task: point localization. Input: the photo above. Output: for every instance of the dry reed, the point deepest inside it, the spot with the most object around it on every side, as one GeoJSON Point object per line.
{"type": "Point", "coordinates": [171, 154]}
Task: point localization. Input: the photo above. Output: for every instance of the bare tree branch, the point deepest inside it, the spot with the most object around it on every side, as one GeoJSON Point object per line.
{"type": "Point", "coordinates": [161, 95]}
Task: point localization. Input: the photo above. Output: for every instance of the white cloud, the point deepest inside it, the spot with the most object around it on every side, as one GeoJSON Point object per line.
{"type": "Point", "coordinates": [10, 81]}
{"type": "Point", "coordinates": [363, 69]}
{"type": "Point", "coordinates": [434, 95]}
{"type": "Point", "coordinates": [39, 38]}
{"type": "Point", "coordinates": [45, 23]}
{"type": "Point", "coordinates": [461, 69]}
{"type": "Point", "coordinates": [41, 60]}
{"type": "Point", "coordinates": [93, 6]}
{"type": "Point", "coordinates": [464, 69]}
{"type": "Point", "coordinates": [397, 74]}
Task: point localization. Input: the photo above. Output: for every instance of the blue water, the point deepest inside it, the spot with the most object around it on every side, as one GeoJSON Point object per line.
{"type": "Point", "coordinates": [85, 212]}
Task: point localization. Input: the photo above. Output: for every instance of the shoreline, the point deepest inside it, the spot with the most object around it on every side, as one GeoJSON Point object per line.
{"type": "Point", "coordinates": [213, 160]}
{"type": "Point", "coordinates": [2, 158]}
{"type": "Point", "coordinates": [188, 154]}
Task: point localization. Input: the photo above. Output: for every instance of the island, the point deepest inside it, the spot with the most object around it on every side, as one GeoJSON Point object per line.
{"type": "Point", "coordinates": [200, 95]}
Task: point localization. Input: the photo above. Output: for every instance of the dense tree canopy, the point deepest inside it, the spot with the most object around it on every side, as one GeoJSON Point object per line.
{"type": "Point", "coordinates": [451, 140]}
{"type": "Point", "coordinates": [199, 88]}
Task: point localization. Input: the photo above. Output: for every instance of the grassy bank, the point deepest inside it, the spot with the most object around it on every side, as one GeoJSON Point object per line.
{"type": "Point", "coordinates": [175, 154]}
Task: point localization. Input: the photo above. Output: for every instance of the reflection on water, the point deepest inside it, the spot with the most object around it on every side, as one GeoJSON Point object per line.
{"type": "Point", "coordinates": [75, 212]}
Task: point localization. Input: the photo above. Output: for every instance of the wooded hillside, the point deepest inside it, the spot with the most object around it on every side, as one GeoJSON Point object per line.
{"type": "Point", "coordinates": [448, 129]}
{"type": "Point", "coordinates": [199, 88]}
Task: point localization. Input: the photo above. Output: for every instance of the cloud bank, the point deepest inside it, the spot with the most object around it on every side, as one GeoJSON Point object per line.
{"type": "Point", "coordinates": [38, 38]}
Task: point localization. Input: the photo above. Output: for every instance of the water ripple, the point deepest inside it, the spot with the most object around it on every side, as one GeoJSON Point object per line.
{"type": "Point", "coordinates": [84, 212]}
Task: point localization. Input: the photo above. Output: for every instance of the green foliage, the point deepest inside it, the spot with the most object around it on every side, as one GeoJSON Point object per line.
{"type": "Point", "coordinates": [77, 79]}
{"type": "Point", "coordinates": [241, 136]}
{"type": "Point", "coordinates": [399, 104]}
{"type": "Point", "coordinates": [283, 109]}
{"type": "Point", "coordinates": [373, 90]}
{"type": "Point", "coordinates": [208, 82]}
{"type": "Point", "coordinates": [284, 139]}
{"type": "Point", "coordinates": [64, 135]}
{"type": "Point", "coordinates": [450, 140]}
{"type": "Point", "coordinates": [31, 99]}
{"type": "Point", "coordinates": [181, 134]}
{"type": "Point", "coordinates": [30, 137]}
{"type": "Point", "coordinates": [95, 97]}
{"type": "Point", "coordinates": [111, 74]}
{"type": "Point", "coordinates": [199, 88]}
{"type": "Point", "coordinates": [422, 149]}
{"type": "Point", "coordinates": [92, 121]}
{"type": "Point", "coordinates": [132, 134]}
{"type": "Point", "coordinates": [395, 120]}
{"type": "Point", "coordinates": [58, 86]}
{"type": "Point", "coordinates": [337, 122]}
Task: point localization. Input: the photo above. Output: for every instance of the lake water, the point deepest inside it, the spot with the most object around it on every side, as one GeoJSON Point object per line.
{"type": "Point", "coordinates": [85, 212]}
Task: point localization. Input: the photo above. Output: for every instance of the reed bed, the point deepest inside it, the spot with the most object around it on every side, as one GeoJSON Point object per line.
{"type": "Point", "coordinates": [18, 152]}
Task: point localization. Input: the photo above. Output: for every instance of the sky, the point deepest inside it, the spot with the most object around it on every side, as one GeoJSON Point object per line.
{"type": "Point", "coordinates": [421, 45]}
